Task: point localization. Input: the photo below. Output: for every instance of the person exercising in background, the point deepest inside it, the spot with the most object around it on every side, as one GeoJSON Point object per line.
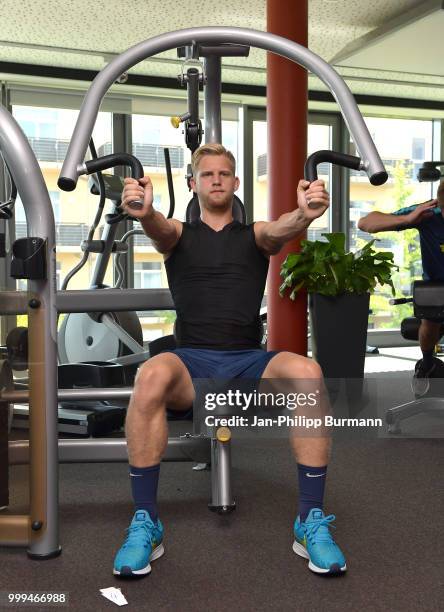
{"type": "Point", "coordinates": [217, 268]}
{"type": "Point", "coordinates": [428, 219]}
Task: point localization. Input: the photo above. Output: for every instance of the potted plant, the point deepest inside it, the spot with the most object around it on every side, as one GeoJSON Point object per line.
{"type": "Point", "coordinates": [339, 284]}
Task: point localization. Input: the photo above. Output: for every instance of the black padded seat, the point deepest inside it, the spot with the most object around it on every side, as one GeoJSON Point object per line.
{"type": "Point", "coordinates": [193, 210]}
{"type": "Point", "coordinates": [410, 328]}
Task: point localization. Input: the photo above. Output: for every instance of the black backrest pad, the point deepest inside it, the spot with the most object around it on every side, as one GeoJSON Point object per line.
{"type": "Point", "coordinates": [428, 299]}
{"type": "Point", "coordinates": [193, 210]}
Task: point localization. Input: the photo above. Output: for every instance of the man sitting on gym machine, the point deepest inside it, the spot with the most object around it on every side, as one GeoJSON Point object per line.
{"type": "Point", "coordinates": [217, 269]}
{"type": "Point", "coordinates": [428, 219]}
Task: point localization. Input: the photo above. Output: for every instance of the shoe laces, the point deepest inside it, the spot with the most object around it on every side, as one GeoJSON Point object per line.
{"type": "Point", "coordinates": [319, 530]}
{"type": "Point", "coordinates": [134, 534]}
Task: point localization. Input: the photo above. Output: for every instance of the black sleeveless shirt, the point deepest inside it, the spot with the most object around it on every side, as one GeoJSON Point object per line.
{"type": "Point", "coordinates": [217, 281]}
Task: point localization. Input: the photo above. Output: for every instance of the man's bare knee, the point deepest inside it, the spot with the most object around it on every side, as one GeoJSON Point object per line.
{"type": "Point", "coordinates": [161, 382]}
{"type": "Point", "coordinates": [151, 385]}
{"type": "Point", "coordinates": [159, 375]}
{"type": "Point", "coordinates": [291, 366]}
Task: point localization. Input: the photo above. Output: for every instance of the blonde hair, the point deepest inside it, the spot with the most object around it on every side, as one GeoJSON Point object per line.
{"type": "Point", "coordinates": [211, 149]}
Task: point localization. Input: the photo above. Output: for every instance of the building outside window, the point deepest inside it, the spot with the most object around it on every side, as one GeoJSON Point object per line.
{"type": "Point", "coordinates": [49, 131]}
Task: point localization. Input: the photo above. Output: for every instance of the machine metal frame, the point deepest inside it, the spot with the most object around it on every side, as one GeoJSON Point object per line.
{"type": "Point", "coordinates": [39, 530]}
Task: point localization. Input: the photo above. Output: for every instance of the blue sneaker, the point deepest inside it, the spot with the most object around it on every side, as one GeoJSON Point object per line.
{"type": "Point", "coordinates": [314, 542]}
{"type": "Point", "coordinates": [143, 544]}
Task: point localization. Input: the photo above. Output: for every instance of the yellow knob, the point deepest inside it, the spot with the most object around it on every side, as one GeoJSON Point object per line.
{"type": "Point", "coordinates": [223, 434]}
{"type": "Point", "coordinates": [175, 121]}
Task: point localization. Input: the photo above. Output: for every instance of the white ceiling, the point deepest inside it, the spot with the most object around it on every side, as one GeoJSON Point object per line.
{"type": "Point", "coordinates": [411, 42]}
{"type": "Point", "coordinates": [85, 34]}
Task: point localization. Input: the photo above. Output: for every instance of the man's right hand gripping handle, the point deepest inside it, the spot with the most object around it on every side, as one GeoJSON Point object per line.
{"type": "Point", "coordinates": [141, 190]}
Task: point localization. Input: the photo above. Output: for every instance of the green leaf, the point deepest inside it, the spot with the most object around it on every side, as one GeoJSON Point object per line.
{"type": "Point", "coordinates": [324, 267]}
{"type": "Point", "coordinates": [337, 241]}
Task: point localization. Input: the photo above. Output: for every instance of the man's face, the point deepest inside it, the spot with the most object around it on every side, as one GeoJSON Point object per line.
{"type": "Point", "coordinates": [215, 182]}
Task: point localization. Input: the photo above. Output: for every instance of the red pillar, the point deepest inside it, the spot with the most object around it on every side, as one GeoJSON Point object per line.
{"type": "Point", "coordinates": [287, 150]}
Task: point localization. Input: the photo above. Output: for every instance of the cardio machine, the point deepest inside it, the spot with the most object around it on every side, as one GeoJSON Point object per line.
{"type": "Point", "coordinates": [101, 349]}
{"type": "Point", "coordinates": [89, 344]}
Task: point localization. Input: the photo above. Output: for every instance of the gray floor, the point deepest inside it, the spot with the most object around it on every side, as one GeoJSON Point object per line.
{"type": "Point", "coordinates": [393, 359]}
{"type": "Point", "coordinates": [387, 495]}
{"type": "Point", "coordinates": [386, 492]}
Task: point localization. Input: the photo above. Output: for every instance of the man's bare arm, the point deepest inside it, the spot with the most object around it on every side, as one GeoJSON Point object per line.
{"type": "Point", "coordinates": [164, 233]}
{"type": "Point", "coordinates": [376, 221]}
{"type": "Point", "coordinates": [271, 237]}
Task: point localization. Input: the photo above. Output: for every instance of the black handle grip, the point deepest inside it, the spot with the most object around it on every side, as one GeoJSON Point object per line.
{"type": "Point", "coordinates": [318, 157]}
{"type": "Point", "coordinates": [397, 301]}
{"type": "Point", "coordinates": [193, 95]}
{"type": "Point", "coordinates": [339, 159]}
{"type": "Point", "coordinates": [113, 160]}
{"type": "Point", "coordinates": [166, 154]}
{"type": "Point", "coordinates": [333, 157]}
{"type": "Point", "coordinates": [118, 159]}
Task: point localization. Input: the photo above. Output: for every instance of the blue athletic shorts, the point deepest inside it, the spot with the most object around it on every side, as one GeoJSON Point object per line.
{"type": "Point", "coordinates": [207, 363]}
{"type": "Point", "coordinates": [222, 365]}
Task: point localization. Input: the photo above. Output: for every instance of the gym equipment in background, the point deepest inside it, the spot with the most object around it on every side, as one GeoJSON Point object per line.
{"type": "Point", "coordinates": [90, 344]}
{"type": "Point", "coordinates": [429, 171]}
{"type": "Point", "coordinates": [428, 303]}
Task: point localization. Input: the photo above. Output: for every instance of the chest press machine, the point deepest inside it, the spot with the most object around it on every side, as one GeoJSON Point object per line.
{"type": "Point", "coordinates": [38, 530]}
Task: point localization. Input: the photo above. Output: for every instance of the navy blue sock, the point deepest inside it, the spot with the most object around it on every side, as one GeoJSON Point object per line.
{"type": "Point", "coordinates": [311, 488]}
{"type": "Point", "coordinates": [144, 483]}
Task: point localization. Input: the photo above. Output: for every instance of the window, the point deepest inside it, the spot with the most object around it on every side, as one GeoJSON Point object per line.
{"type": "Point", "coordinates": [49, 131]}
{"type": "Point", "coordinates": [403, 145]}
{"type": "Point", "coordinates": [319, 137]}
{"type": "Point", "coordinates": [418, 148]}
{"type": "Point", "coordinates": [55, 201]}
{"type": "Point", "coordinates": [147, 275]}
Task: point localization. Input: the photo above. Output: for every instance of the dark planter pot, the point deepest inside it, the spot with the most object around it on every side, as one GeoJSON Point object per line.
{"type": "Point", "coordinates": [339, 338]}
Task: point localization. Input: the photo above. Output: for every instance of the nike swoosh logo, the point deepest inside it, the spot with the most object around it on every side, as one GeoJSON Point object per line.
{"type": "Point", "coordinates": [314, 475]}
{"type": "Point", "coordinates": [136, 475]}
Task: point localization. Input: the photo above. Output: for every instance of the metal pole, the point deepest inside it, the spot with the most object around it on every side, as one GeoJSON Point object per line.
{"type": "Point", "coordinates": [114, 450]}
{"type": "Point", "coordinates": [42, 524]}
{"type": "Point", "coordinates": [102, 261]}
{"type": "Point", "coordinates": [287, 108]}
{"type": "Point", "coordinates": [212, 100]}
{"type": "Point", "coordinates": [72, 395]}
